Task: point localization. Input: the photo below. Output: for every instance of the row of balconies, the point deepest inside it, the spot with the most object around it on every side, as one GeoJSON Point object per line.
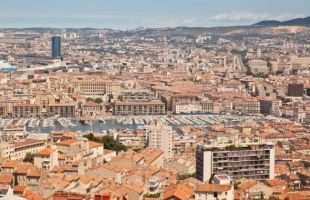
{"type": "Point", "coordinates": [253, 158]}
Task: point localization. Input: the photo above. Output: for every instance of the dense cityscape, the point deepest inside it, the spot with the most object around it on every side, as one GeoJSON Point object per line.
{"type": "Point", "coordinates": [155, 113]}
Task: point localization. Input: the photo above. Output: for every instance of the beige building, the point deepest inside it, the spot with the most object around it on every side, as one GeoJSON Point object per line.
{"type": "Point", "coordinates": [258, 66]}
{"type": "Point", "coordinates": [46, 158]}
{"type": "Point", "coordinates": [26, 110]}
{"type": "Point", "coordinates": [208, 191]}
{"type": "Point", "coordinates": [62, 110]}
{"type": "Point", "coordinates": [14, 133]}
{"type": "Point", "coordinates": [96, 87]}
{"type": "Point", "coordinates": [91, 110]}
{"type": "Point", "coordinates": [29, 146]}
{"type": "Point", "coordinates": [247, 106]}
{"type": "Point", "coordinates": [160, 136]}
{"type": "Point", "coordinates": [221, 188]}
{"type": "Point", "coordinates": [139, 107]}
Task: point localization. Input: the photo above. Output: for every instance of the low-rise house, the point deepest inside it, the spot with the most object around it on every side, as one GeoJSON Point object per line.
{"type": "Point", "coordinates": [179, 191]}
{"type": "Point", "coordinates": [208, 191]}
{"type": "Point", "coordinates": [46, 158]}
{"type": "Point", "coordinates": [255, 189]}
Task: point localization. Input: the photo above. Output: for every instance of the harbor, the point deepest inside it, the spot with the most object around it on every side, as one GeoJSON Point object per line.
{"type": "Point", "coordinates": [48, 125]}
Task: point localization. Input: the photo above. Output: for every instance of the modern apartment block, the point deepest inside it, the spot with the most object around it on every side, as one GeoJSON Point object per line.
{"type": "Point", "coordinates": [259, 66]}
{"type": "Point", "coordinates": [252, 161]}
{"type": "Point", "coordinates": [62, 110]}
{"type": "Point", "coordinates": [137, 94]}
{"type": "Point", "coordinates": [139, 107]}
{"type": "Point", "coordinates": [160, 136]}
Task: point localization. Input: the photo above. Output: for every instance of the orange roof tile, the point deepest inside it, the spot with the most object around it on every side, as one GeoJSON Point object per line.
{"type": "Point", "coordinates": [44, 152]}
{"type": "Point", "coordinates": [151, 154]}
{"type": "Point", "coordinates": [276, 182]}
{"type": "Point", "coordinates": [6, 178]}
{"type": "Point", "coordinates": [247, 184]}
{"type": "Point", "coordinates": [94, 144]}
{"type": "Point", "coordinates": [212, 188]}
{"type": "Point", "coordinates": [19, 188]}
{"type": "Point", "coordinates": [9, 164]}
{"type": "Point", "coordinates": [181, 191]}
{"type": "Point", "coordinates": [67, 142]}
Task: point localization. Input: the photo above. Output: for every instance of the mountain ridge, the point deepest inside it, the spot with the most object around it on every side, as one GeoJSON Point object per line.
{"type": "Point", "coordinates": [292, 22]}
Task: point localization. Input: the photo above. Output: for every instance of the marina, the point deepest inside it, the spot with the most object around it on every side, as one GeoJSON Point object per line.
{"type": "Point", "coordinates": [48, 125]}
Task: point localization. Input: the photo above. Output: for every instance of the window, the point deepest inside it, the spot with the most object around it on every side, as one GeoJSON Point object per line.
{"type": "Point", "coordinates": [215, 194]}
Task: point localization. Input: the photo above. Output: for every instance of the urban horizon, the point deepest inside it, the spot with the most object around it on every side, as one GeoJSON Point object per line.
{"type": "Point", "coordinates": [154, 14]}
{"type": "Point", "coordinates": [212, 103]}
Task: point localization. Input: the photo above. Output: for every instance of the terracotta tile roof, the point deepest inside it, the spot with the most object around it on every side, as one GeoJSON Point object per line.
{"type": "Point", "coordinates": [4, 186]}
{"type": "Point", "coordinates": [280, 168]}
{"type": "Point", "coordinates": [67, 142]}
{"type": "Point", "coordinates": [6, 178]}
{"type": "Point", "coordinates": [23, 168]}
{"type": "Point", "coordinates": [34, 172]}
{"type": "Point", "coordinates": [91, 180]}
{"type": "Point", "coordinates": [133, 156]}
{"type": "Point", "coordinates": [30, 194]}
{"type": "Point", "coordinates": [212, 188]}
{"type": "Point", "coordinates": [301, 195]}
{"type": "Point", "coordinates": [276, 182]}
{"type": "Point", "coordinates": [137, 187]}
{"type": "Point", "coordinates": [94, 144]}
{"type": "Point", "coordinates": [44, 152]}
{"type": "Point", "coordinates": [19, 188]}
{"type": "Point", "coordinates": [151, 154]}
{"type": "Point", "coordinates": [61, 156]}
{"type": "Point", "coordinates": [181, 191]}
{"type": "Point", "coordinates": [247, 184]}
{"type": "Point", "coordinates": [27, 143]}
{"type": "Point", "coordinates": [9, 163]}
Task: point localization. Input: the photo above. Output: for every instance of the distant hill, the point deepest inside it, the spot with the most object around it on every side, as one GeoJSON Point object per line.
{"type": "Point", "coordinates": [292, 22]}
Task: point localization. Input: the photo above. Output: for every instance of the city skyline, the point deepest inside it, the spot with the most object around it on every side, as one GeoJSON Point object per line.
{"type": "Point", "coordinates": [153, 14]}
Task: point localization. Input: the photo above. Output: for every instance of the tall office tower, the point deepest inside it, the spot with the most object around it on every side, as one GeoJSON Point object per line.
{"type": "Point", "coordinates": [160, 136]}
{"type": "Point", "coordinates": [251, 160]}
{"type": "Point", "coordinates": [56, 47]}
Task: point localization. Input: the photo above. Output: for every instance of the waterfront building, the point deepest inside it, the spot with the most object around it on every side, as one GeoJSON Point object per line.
{"type": "Point", "coordinates": [139, 107]}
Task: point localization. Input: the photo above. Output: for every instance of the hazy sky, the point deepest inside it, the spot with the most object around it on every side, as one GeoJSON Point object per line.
{"type": "Point", "coordinates": [123, 14]}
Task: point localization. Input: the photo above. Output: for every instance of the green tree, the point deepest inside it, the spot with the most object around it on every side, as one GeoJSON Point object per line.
{"type": "Point", "coordinates": [28, 158]}
{"type": "Point", "coordinates": [98, 101]}
{"type": "Point", "coordinates": [88, 99]}
{"type": "Point", "coordinates": [108, 142]}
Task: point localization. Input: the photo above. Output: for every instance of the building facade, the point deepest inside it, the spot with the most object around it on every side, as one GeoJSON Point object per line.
{"type": "Point", "coordinates": [26, 110]}
{"type": "Point", "coordinates": [139, 107]}
{"type": "Point", "coordinates": [160, 136]}
{"type": "Point", "coordinates": [56, 47]}
{"type": "Point", "coordinates": [252, 161]}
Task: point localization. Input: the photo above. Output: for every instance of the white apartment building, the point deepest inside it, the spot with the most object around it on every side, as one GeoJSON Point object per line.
{"type": "Point", "coordinates": [258, 66]}
{"type": "Point", "coordinates": [160, 136]}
